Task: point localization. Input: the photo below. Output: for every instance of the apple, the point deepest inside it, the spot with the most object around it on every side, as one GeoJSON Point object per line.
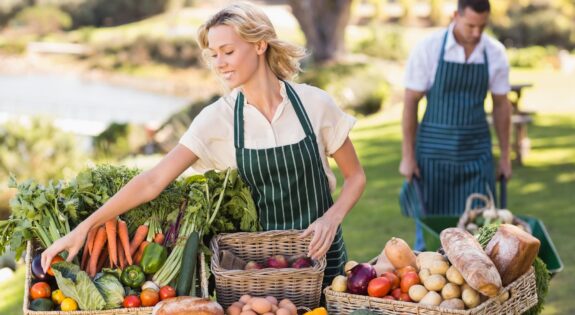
{"type": "Point", "coordinates": [253, 265]}
{"type": "Point", "coordinates": [277, 261]}
{"type": "Point", "coordinates": [301, 262]}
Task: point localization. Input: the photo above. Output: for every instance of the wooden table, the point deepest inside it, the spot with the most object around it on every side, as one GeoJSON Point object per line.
{"type": "Point", "coordinates": [520, 119]}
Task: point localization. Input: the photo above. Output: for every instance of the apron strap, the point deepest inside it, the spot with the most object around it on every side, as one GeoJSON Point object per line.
{"type": "Point", "coordinates": [296, 103]}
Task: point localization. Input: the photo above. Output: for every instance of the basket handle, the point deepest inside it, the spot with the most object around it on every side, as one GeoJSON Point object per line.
{"type": "Point", "coordinates": [418, 191]}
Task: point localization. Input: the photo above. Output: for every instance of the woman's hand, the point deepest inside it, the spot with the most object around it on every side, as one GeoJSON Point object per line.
{"type": "Point", "coordinates": [408, 168]}
{"type": "Point", "coordinates": [324, 230]}
{"type": "Point", "coordinates": [72, 242]}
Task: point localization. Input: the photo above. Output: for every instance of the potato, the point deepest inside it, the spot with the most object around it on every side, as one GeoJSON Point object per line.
{"type": "Point", "coordinates": [470, 297]}
{"type": "Point", "coordinates": [434, 282]}
{"type": "Point", "coordinates": [503, 297]}
{"type": "Point", "coordinates": [424, 274]}
{"type": "Point", "coordinates": [431, 298]}
{"type": "Point", "coordinates": [454, 304]}
{"type": "Point", "coordinates": [417, 292]}
{"type": "Point", "coordinates": [261, 305]}
{"type": "Point", "coordinates": [245, 298]}
{"type": "Point", "coordinates": [424, 259]}
{"type": "Point", "coordinates": [450, 291]}
{"type": "Point", "coordinates": [339, 283]}
{"type": "Point", "coordinates": [438, 267]}
{"type": "Point", "coordinates": [234, 309]}
{"type": "Point", "coordinates": [454, 276]}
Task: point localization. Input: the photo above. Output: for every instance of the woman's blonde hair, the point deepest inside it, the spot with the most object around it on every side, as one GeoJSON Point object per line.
{"type": "Point", "coordinates": [253, 25]}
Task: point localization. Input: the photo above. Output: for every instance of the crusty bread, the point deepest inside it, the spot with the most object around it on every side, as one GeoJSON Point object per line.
{"type": "Point", "coordinates": [512, 250]}
{"type": "Point", "coordinates": [187, 305]}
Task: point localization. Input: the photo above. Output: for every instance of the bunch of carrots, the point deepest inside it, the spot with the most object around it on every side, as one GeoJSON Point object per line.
{"type": "Point", "coordinates": [120, 252]}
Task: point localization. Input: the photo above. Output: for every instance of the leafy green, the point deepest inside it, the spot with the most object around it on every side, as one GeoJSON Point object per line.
{"type": "Point", "coordinates": [542, 279]}
{"type": "Point", "coordinates": [111, 289]}
{"type": "Point", "coordinates": [218, 202]}
{"type": "Point", "coordinates": [76, 284]}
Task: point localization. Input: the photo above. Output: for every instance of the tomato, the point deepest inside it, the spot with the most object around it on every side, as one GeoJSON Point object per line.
{"type": "Point", "coordinates": [167, 292]}
{"type": "Point", "coordinates": [405, 297]}
{"type": "Point", "coordinates": [58, 297]}
{"type": "Point", "coordinates": [149, 297]}
{"type": "Point", "coordinates": [402, 271]}
{"type": "Point", "coordinates": [389, 297]}
{"type": "Point", "coordinates": [68, 304]}
{"type": "Point", "coordinates": [131, 301]}
{"type": "Point", "coordinates": [40, 290]}
{"type": "Point", "coordinates": [409, 279]}
{"type": "Point", "coordinates": [396, 293]}
{"type": "Point", "coordinates": [392, 277]}
{"type": "Point", "coordinates": [378, 287]}
{"type": "Point", "coordinates": [54, 260]}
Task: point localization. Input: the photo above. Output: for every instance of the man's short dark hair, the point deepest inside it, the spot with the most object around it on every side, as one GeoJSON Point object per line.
{"type": "Point", "coordinates": [478, 6]}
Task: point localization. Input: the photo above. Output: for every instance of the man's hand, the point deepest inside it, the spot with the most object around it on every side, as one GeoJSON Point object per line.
{"type": "Point", "coordinates": [504, 168]}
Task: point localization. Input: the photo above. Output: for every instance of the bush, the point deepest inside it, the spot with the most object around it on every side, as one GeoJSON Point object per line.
{"type": "Point", "coordinates": [119, 140]}
{"type": "Point", "coordinates": [42, 20]}
{"type": "Point", "coordinates": [175, 52]}
{"type": "Point", "coordinates": [531, 57]}
{"type": "Point", "coordinates": [362, 96]}
{"type": "Point", "coordinates": [383, 43]}
{"type": "Point", "coordinates": [535, 24]}
{"type": "Point", "coordinates": [9, 8]}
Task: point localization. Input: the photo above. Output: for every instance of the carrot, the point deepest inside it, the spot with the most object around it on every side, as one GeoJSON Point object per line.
{"type": "Point", "coordinates": [101, 261]}
{"type": "Point", "coordinates": [91, 237]}
{"type": "Point", "coordinates": [99, 242]}
{"type": "Point", "coordinates": [121, 254]}
{"type": "Point", "coordinates": [140, 253]}
{"type": "Point", "coordinates": [139, 237]}
{"type": "Point", "coordinates": [111, 229]}
{"type": "Point", "coordinates": [125, 240]}
{"type": "Point", "coordinates": [159, 238]}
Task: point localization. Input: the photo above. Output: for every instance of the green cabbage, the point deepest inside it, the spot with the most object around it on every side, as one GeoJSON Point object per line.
{"type": "Point", "coordinates": [111, 289]}
{"type": "Point", "coordinates": [76, 284]}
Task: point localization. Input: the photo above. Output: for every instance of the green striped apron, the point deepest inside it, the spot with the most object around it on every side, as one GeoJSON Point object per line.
{"type": "Point", "coordinates": [288, 182]}
{"type": "Point", "coordinates": [453, 144]}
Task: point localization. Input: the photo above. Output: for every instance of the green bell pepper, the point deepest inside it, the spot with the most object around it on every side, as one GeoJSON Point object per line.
{"type": "Point", "coordinates": [133, 276]}
{"type": "Point", "coordinates": [154, 257]}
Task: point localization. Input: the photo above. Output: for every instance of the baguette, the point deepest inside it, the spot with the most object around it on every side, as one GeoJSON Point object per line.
{"type": "Point", "coordinates": [465, 253]}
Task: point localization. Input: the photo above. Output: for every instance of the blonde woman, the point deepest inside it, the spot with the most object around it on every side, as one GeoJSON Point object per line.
{"type": "Point", "coordinates": [277, 133]}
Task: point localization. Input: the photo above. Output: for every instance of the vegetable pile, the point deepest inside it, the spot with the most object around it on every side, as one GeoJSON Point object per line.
{"type": "Point", "coordinates": [142, 257]}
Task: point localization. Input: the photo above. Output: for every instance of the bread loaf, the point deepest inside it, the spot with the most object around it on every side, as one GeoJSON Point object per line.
{"type": "Point", "coordinates": [468, 257]}
{"type": "Point", "coordinates": [512, 250]}
{"type": "Point", "coordinates": [187, 305]}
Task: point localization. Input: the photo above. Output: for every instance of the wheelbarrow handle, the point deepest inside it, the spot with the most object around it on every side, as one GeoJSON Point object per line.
{"type": "Point", "coordinates": [419, 192]}
{"type": "Point", "coordinates": [502, 192]}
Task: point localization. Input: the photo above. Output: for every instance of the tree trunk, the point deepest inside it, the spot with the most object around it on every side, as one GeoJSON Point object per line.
{"type": "Point", "coordinates": [323, 23]}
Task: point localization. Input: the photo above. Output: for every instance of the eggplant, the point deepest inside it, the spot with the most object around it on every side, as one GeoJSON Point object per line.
{"type": "Point", "coordinates": [37, 270]}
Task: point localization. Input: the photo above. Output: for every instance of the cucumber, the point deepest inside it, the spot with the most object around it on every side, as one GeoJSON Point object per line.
{"type": "Point", "coordinates": [189, 259]}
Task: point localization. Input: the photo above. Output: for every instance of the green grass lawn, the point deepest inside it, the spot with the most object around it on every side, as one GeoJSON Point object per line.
{"type": "Point", "coordinates": [544, 187]}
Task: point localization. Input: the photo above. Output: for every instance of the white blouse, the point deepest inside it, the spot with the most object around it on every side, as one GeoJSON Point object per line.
{"type": "Point", "coordinates": [211, 135]}
{"type": "Point", "coordinates": [423, 61]}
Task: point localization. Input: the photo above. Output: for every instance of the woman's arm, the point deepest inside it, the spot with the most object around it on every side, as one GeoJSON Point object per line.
{"type": "Point", "coordinates": [326, 226]}
{"type": "Point", "coordinates": [142, 188]}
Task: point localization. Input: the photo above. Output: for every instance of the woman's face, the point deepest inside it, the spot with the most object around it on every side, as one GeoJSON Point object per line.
{"type": "Point", "coordinates": [234, 59]}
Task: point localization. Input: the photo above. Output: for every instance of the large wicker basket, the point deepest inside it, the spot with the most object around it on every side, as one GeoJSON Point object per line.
{"type": "Point", "coordinates": [301, 286]}
{"type": "Point", "coordinates": [130, 311]}
{"type": "Point", "coordinates": [522, 296]}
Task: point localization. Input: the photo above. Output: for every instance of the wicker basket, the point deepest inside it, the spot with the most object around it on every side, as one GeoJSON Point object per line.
{"type": "Point", "coordinates": [488, 204]}
{"type": "Point", "coordinates": [522, 296]}
{"type": "Point", "coordinates": [130, 311]}
{"type": "Point", "coordinates": [301, 286]}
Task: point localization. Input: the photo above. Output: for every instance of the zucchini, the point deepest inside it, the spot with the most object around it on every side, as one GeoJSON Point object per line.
{"type": "Point", "coordinates": [189, 259]}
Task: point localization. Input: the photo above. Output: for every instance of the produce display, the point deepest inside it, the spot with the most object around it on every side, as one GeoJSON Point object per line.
{"type": "Point", "coordinates": [462, 279]}
{"type": "Point", "coordinates": [474, 219]}
{"type": "Point", "coordinates": [139, 259]}
{"type": "Point", "coordinates": [252, 305]}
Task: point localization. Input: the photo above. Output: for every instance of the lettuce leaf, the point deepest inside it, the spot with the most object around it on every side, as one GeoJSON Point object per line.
{"type": "Point", "coordinates": [76, 284]}
{"type": "Point", "coordinates": [111, 289]}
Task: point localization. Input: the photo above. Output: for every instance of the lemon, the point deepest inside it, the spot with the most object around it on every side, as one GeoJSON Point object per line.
{"type": "Point", "coordinates": [68, 304]}
{"type": "Point", "coordinates": [58, 297]}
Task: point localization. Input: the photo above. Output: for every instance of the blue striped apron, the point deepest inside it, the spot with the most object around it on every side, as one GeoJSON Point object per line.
{"type": "Point", "coordinates": [288, 182]}
{"type": "Point", "coordinates": [453, 144]}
